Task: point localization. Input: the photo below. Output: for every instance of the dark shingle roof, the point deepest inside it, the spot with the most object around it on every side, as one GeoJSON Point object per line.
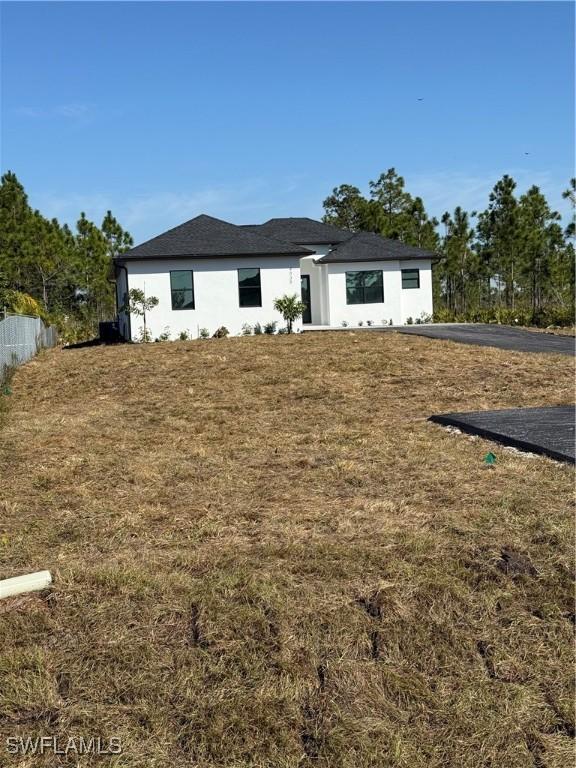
{"type": "Point", "coordinates": [368, 246]}
{"type": "Point", "coordinates": [205, 236]}
{"type": "Point", "coordinates": [300, 230]}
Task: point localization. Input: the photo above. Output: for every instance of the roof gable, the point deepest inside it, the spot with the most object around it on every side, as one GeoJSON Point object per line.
{"type": "Point", "coordinates": [368, 246]}
{"type": "Point", "coordinates": [205, 236]}
{"type": "Point", "coordinates": [303, 231]}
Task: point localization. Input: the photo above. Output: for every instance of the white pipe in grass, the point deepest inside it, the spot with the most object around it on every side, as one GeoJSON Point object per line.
{"type": "Point", "coordinates": [31, 582]}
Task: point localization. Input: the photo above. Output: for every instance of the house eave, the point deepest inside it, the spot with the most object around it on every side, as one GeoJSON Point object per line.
{"type": "Point", "coordinates": [324, 260]}
{"type": "Point", "coordinates": [122, 258]}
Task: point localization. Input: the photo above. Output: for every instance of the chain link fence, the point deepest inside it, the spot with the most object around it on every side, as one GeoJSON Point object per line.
{"type": "Point", "coordinates": [21, 337]}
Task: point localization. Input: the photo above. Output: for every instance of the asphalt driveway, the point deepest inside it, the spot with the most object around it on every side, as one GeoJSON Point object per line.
{"type": "Point", "coordinates": [549, 431]}
{"type": "Point", "coordinates": [502, 336]}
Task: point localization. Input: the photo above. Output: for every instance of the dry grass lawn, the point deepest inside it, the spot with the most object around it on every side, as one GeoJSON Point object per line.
{"type": "Point", "coordinates": [266, 557]}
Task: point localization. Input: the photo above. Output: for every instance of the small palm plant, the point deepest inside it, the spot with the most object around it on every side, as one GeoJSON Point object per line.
{"type": "Point", "coordinates": [291, 308]}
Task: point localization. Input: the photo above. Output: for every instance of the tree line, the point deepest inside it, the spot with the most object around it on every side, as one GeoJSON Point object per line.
{"type": "Point", "coordinates": [512, 262]}
{"type": "Point", "coordinates": [47, 268]}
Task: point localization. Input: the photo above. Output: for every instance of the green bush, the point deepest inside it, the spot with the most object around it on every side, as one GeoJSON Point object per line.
{"type": "Point", "coordinates": [22, 304]}
{"type": "Point", "coordinates": [560, 316]}
{"type": "Point", "coordinates": [165, 335]}
{"type": "Point", "coordinates": [72, 329]}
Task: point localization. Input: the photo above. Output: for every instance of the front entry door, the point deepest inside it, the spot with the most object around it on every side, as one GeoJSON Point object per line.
{"type": "Point", "coordinates": [305, 293]}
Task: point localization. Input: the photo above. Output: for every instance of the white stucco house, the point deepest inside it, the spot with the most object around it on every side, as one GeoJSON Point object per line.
{"type": "Point", "coordinates": [208, 273]}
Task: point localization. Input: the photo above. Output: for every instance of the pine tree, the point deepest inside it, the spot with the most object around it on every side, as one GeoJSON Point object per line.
{"type": "Point", "coordinates": [570, 194]}
{"type": "Point", "coordinates": [345, 208]}
{"type": "Point", "coordinates": [539, 237]}
{"type": "Point", "coordinates": [70, 275]}
{"type": "Point", "coordinates": [498, 231]}
{"type": "Point", "coordinates": [47, 256]}
{"type": "Point", "coordinates": [14, 214]}
{"type": "Point", "coordinates": [117, 239]}
{"type": "Point", "coordinates": [390, 216]}
{"type": "Point", "coordinates": [421, 229]}
{"type": "Point", "coordinates": [459, 264]}
{"type": "Point", "coordinates": [95, 292]}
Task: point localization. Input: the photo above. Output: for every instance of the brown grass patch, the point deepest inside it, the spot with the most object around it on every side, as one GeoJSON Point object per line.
{"type": "Point", "coordinates": [568, 330]}
{"type": "Point", "coordinates": [265, 556]}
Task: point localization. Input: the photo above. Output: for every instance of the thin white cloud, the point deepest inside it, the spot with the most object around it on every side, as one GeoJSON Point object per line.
{"type": "Point", "coordinates": [254, 200]}
{"type": "Point", "coordinates": [28, 112]}
{"type": "Point", "coordinates": [73, 111]}
{"type": "Point", "coordinates": [150, 213]}
{"type": "Point", "coordinates": [444, 190]}
{"type": "Point", "coordinates": [229, 202]}
{"type": "Point", "coordinates": [67, 208]}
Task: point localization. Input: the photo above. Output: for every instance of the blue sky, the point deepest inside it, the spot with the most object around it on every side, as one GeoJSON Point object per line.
{"type": "Point", "coordinates": [246, 111]}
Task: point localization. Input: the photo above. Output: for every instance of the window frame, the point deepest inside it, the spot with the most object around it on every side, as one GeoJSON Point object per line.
{"type": "Point", "coordinates": [363, 287]}
{"type": "Point", "coordinates": [411, 287]}
{"type": "Point", "coordinates": [241, 287]}
{"type": "Point", "coordinates": [182, 309]}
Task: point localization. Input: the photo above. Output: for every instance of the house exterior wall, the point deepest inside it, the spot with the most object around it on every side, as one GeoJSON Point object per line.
{"type": "Point", "coordinates": [416, 301]}
{"type": "Point", "coordinates": [379, 313]}
{"type": "Point", "coordinates": [398, 305]}
{"type": "Point", "coordinates": [217, 298]}
{"type": "Point", "coordinates": [216, 293]}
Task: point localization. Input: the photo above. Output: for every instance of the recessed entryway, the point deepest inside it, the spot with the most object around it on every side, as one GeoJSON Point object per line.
{"type": "Point", "coordinates": [305, 294]}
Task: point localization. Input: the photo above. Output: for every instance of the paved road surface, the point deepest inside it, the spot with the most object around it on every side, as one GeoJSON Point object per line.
{"type": "Point", "coordinates": [549, 431]}
{"type": "Point", "coordinates": [502, 336]}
